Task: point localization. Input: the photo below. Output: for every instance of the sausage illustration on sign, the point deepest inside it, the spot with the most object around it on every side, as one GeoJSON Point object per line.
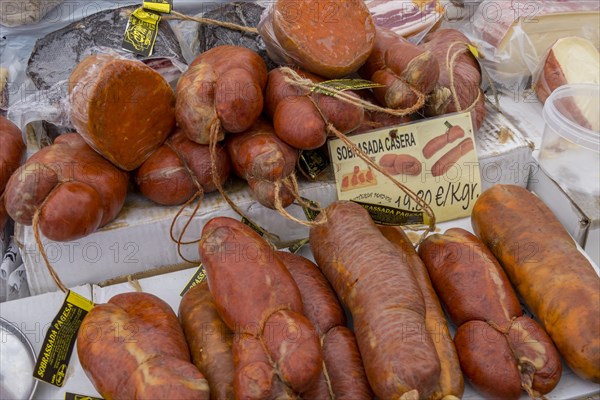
{"type": "Point", "coordinates": [438, 142]}
{"type": "Point", "coordinates": [449, 159]}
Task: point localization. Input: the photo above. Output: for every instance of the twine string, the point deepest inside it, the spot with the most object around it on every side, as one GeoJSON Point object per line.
{"type": "Point", "coordinates": [38, 242]}
{"type": "Point", "coordinates": [422, 203]}
{"type": "Point", "coordinates": [208, 21]}
{"type": "Point", "coordinates": [293, 78]}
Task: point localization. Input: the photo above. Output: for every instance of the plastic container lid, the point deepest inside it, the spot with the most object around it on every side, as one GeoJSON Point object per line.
{"type": "Point", "coordinates": [564, 115]}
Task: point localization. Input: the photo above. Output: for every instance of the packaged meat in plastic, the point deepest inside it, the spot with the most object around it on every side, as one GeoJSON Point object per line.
{"type": "Point", "coordinates": [122, 108]}
{"type": "Point", "coordinates": [514, 35]}
{"type": "Point", "coordinates": [327, 38]}
{"type": "Point", "coordinates": [407, 18]}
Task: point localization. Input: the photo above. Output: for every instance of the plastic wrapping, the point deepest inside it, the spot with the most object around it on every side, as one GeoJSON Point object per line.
{"type": "Point", "coordinates": [122, 108]}
{"type": "Point", "coordinates": [330, 39]}
{"type": "Point", "coordinates": [514, 35]}
{"type": "Point", "coordinates": [55, 55]}
{"type": "Point", "coordinates": [410, 19]}
{"type": "Point", "coordinates": [197, 38]}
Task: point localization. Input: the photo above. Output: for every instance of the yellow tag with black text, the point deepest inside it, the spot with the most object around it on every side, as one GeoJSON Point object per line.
{"type": "Point", "coordinates": [53, 360]}
{"type": "Point", "coordinates": [342, 85]}
{"type": "Point", "coordinates": [198, 277]}
{"type": "Point", "coordinates": [163, 6]}
{"type": "Point", "coordinates": [73, 396]}
{"type": "Point", "coordinates": [141, 32]}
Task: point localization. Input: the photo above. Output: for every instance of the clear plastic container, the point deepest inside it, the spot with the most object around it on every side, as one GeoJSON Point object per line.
{"type": "Point", "coordinates": [570, 150]}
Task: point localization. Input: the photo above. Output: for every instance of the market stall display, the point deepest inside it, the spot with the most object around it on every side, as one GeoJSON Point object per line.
{"type": "Point", "coordinates": [255, 320]}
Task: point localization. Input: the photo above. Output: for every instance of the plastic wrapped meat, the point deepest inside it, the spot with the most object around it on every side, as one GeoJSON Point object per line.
{"type": "Point", "coordinates": [56, 54]}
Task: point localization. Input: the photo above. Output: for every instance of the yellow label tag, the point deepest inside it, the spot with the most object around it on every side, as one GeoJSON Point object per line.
{"type": "Point", "coordinates": [474, 50]}
{"type": "Point", "coordinates": [198, 277]}
{"type": "Point", "coordinates": [163, 6]}
{"type": "Point", "coordinates": [55, 354]}
{"type": "Point", "coordinates": [74, 396]}
{"type": "Point", "coordinates": [345, 84]}
{"type": "Point", "coordinates": [435, 158]}
{"type": "Point", "coordinates": [141, 32]}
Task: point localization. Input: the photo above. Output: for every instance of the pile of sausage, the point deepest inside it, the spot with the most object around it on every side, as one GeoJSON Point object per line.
{"type": "Point", "coordinates": [128, 115]}
{"type": "Point", "coordinates": [270, 325]}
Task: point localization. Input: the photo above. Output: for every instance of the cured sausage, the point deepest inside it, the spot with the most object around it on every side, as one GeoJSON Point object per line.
{"type": "Point", "coordinates": [377, 285]}
{"type": "Point", "coordinates": [403, 69]}
{"type": "Point", "coordinates": [222, 91]}
{"type": "Point", "coordinates": [300, 117]}
{"type": "Point", "coordinates": [122, 108]}
{"type": "Point", "coordinates": [133, 348]}
{"type": "Point", "coordinates": [332, 39]}
{"type": "Point", "coordinates": [265, 304]}
{"type": "Point", "coordinates": [451, 382]}
{"type": "Point", "coordinates": [343, 373]}
{"type": "Point", "coordinates": [10, 158]}
{"type": "Point", "coordinates": [75, 190]}
{"type": "Point", "coordinates": [500, 350]}
{"type": "Point", "coordinates": [209, 339]}
{"type": "Point", "coordinates": [262, 159]}
{"type": "Point", "coordinates": [524, 235]}
{"type": "Point", "coordinates": [179, 169]}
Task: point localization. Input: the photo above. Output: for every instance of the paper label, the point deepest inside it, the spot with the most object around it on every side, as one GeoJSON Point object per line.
{"type": "Point", "coordinates": [141, 32]}
{"type": "Point", "coordinates": [198, 278]}
{"type": "Point", "coordinates": [435, 158]}
{"type": "Point", "coordinates": [345, 84]}
{"type": "Point", "coordinates": [312, 163]}
{"type": "Point", "coordinates": [73, 396]}
{"type": "Point", "coordinates": [163, 6]}
{"type": "Point", "coordinates": [54, 357]}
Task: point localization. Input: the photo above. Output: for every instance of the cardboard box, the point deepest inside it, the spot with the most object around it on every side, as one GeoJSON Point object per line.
{"type": "Point", "coordinates": [34, 314]}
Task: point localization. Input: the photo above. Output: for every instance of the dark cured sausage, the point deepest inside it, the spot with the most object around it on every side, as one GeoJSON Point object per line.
{"type": "Point", "coordinates": [343, 375]}
{"type": "Point", "coordinates": [451, 382]}
{"type": "Point", "coordinates": [500, 350]}
{"type": "Point", "coordinates": [209, 339]}
{"type": "Point", "coordinates": [265, 307]}
{"type": "Point", "coordinates": [373, 280]}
